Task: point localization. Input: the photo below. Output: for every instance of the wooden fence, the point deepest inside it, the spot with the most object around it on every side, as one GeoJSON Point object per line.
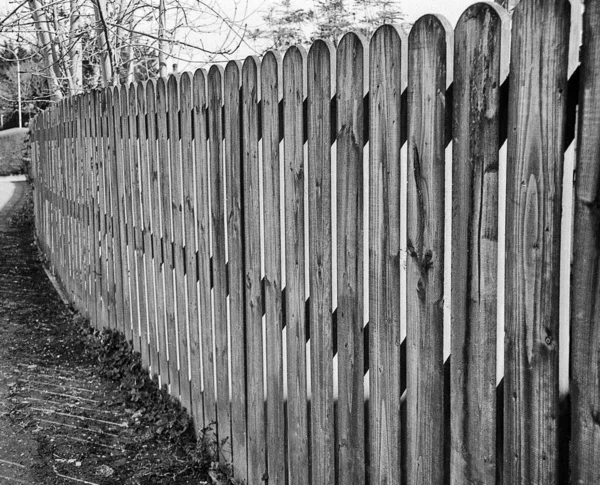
{"type": "Point", "coordinates": [295, 245]}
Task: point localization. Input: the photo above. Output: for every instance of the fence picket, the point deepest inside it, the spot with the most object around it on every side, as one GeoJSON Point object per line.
{"type": "Point", "coordinates": [256, 425]}
{"type": "Point", "coordinates": [352, 59]}
{"type": "Point", "coordinates": [140, 296]}
{"type": "Point", "coordinates": [155, 166]}
{"type": "Point", "coordinates": [203, 215]}
{"type": "Point", "coordinates": [386, 56]}
{"type": "Point", "coordinates": [478, 68]}
{"type": "Point", "coordinates": [189, 222]}
{"type": "Point", "coordinates": [585, 337]}
{"type": "Point", "coordinates": [178, 241]}
{"type": "Point", "coordinates": [219, 268]}
{"type": "Point", "coordinates": [126, 214]}
{"type": "Point", "coordinates": [166, 181]}
{"type": "Point", "coordinates": [270, 78]}
{"type": "Point", "coordinates": [320, 73]}
{"type": "Point", "coordinates": [235, 226]}
{"type": "Point", "coordinates": [146, 228]}
{"type": "Point", "coordinates": [536, 132]}
{"type": "Point", "coordinates": [294, 88]}
{"type": "Point", "coordinates": [429, 47]}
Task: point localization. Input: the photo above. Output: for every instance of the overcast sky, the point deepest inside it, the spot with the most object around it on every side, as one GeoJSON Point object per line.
{"type": "Point", "coordinates": [254, 11]}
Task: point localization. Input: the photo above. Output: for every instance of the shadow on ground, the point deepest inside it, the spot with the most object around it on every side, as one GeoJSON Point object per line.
{"type": "Point", "coordinates": [65, 423]}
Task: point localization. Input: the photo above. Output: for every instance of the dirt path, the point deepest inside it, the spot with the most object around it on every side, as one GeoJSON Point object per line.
{"type": "Point", "coordinates": [60, 421]}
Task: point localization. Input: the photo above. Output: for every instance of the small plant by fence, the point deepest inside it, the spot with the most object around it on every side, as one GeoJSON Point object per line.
{"type": "Point", "coordinates": [296, 245]}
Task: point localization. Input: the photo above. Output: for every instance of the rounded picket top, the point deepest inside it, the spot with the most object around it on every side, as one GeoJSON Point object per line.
{"type": "Point", "coordinates": [321, 62]}
{"type": "Point", "coordinates": [172, 89]}
{"type": "Point", "coordinates": [430, 23]}
{"type": "Point", "coordinates": [393, 32]}
{"type": "Point", "coordinates": [150, 89]}
{"type": "Point", "coordinates": [124, 93]}
{"type": "Point", "coordinates": [233, 74]}
{"type": "Point", "coordinates": [216, 73]}
{"type": "Point", "coordinates": [481, 10]}
{"type": "Point", "coordinates": [271, 62]}
{"type": "Point", "coordinates": [161, 87]}
{"type": "Point", "coordinates": [185, 82]}
{"type": "Point", "coordinates": [251, 63]}
{"type": "Point", "coordinates": [199, 86]}
{"type": "Point", "coordinates": [353, 53]}
{"type": "Point", "coordinates": [432, 33]}
{"type": "Point", "coordinates": [133, 93]}
{"type": "Point", "coordinates": [293, 53]}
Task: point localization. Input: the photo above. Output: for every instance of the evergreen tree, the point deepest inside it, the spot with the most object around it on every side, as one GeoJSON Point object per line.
{"type": "Point", "coordinates": [288, 25]}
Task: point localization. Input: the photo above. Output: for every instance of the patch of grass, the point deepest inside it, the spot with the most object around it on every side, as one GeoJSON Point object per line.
{"type": "Point", "coordinates": [13, 151]}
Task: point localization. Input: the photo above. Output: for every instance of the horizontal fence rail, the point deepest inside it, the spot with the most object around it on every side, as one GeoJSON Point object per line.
{"type": "Point", "coordinates": [354, 263]}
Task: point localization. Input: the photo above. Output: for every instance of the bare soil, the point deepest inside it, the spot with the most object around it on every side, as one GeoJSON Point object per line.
{"type": "Point", "coordinates": [75, 403]}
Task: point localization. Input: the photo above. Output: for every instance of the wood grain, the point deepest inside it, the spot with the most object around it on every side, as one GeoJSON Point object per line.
{"type": "Point", "coordinates": [127, 224]}
{"type": "Point", "coordinates": [155, 168]}
{"type": "Point", "coordinates": [177, 208]}
{"type": "Point", "coordinates": [118, 208]}
{"type": "Point", "coordinates": [585, 317]}
{"type": "Point", "coordinates": [294, 92]}
{"type": "Point", "coordinates": [138, 208]}
{"type": "Point", "coordinates": [480, 48]}
{"type": "Point", "coordinates": [352, 59]}
{"type": "Point", "coordinates": [387, 80]}
{"type": "Point", "coordinates": [166, 181]}
{"type": "Point", "coordinates": [235, 245]}
{"type": "Point", "coordinates": [536, 117]}
{"type": "Point", "coordinates": [146, 228]}
{"type": "Point", "coordinates": [256, 424]}
{"type": "Point", "coordinates": [201, 163]}
{"type": "Point", "coordinates": [188, 170]}
{"type": "Point", "coordinates": [320, 88]}
{"type": "Point", "coordinates": [217, 204]}
{"type": "Point", "coordinates": [429, 49]}
{"type": "Point", "coordinates": [271, 87]}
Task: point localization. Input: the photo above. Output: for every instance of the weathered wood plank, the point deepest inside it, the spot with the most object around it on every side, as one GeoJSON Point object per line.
{"type": "Point", "coordinates": [126, 222]}
{"type": "Point", "coordinates": [387, 53]}
{"type": "Point", "coordinates": [217, 204]}
{"type": "Point", "coordinates": [146, 228]}
{"type": "Point", "coordinates": [352, 58]}
{"type": "Point", "coordinates": [235, 250]}
{"type": "Point", "coordinates": [99, 161]}
{"type": "Point", "coordinates": [189, 222]}
{"type": "Point", "coordinates": [166, 182]}
{"type": "Point", "coordinates": [430, 48]}
{"type": "Point", "coordinates": [111, 219]}
{"type": "Point", "coordinates": [118, 210]}
{"type": "Point", "coordinates": [256, 425]}
{"type": "Point", "coordinates": [294, 92]}
{"type": "Point", "coordinates": [156, 171]}
{"type": "Point", "coordinates": [201, 164]}
{"type": "Point", "coordinates": [270, 77]}
{"type": "Point", "coordinates": [138, 185]}
{"type": "Point", "coordinates": [480, 56]}
{"type": "Point", "coordinates": [536, 127]}
{"type": "Point", "coordinates": [178, 241]}
{"type": "Point", "coordinates": [320, 88]}
{"type": "Point", "coordinates": [585, 317]}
